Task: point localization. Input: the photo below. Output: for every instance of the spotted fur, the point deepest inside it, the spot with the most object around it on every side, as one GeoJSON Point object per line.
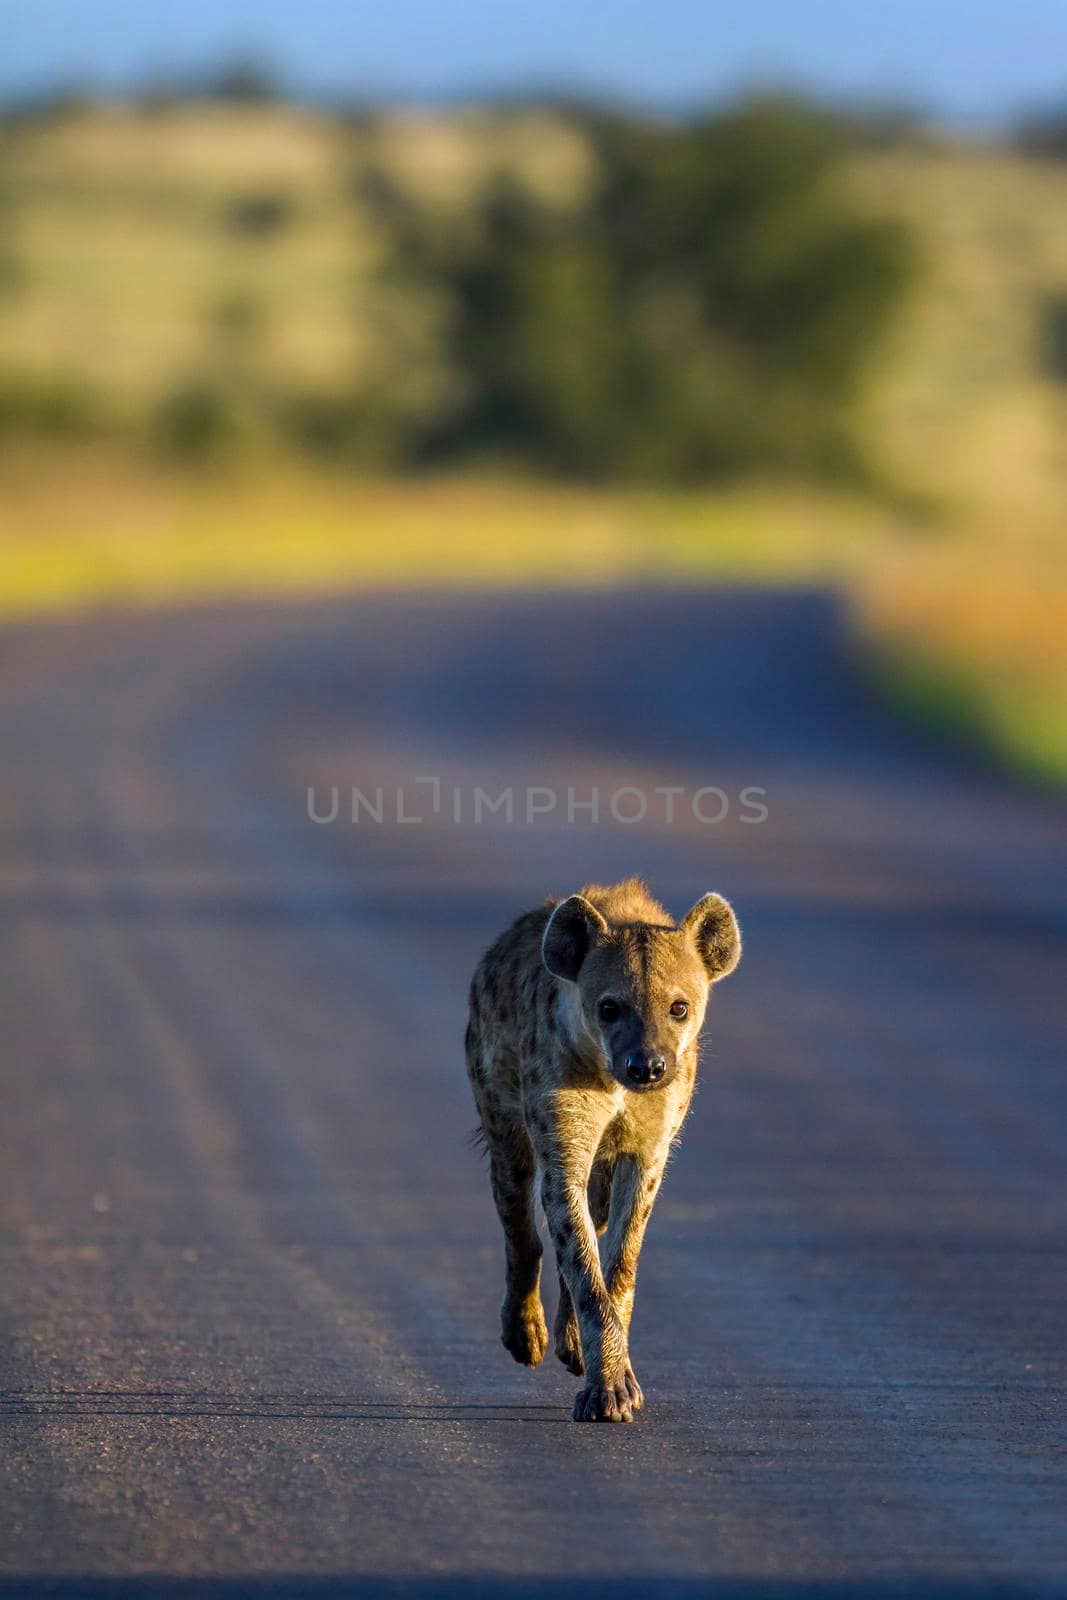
{"type": "Point", "coordinates": [551, 1066]}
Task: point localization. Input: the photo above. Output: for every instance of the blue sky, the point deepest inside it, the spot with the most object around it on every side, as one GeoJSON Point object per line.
{"type": "Point", "coordinates": [972, 60]}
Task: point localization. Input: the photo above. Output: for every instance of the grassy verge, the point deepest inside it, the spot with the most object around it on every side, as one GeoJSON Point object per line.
{"type": "Point", "coordinates": [87, 533]}
{"type": "Point", "coordinates": [965, 632]}
{"type": "Point", "coordinates": [1024, 729]}
{"type": "Point", "coordinates": [973, 641]}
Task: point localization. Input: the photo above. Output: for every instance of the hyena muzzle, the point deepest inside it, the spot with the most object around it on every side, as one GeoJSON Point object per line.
{"type": "Point", "coordinates": [582, 1054]}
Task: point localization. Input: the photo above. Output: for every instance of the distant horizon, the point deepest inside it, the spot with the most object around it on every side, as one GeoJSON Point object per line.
{"type": "Point", "coordinates": [953, 62]}
{"type": "Point", "coordinates": [209, 82]}
{"type": "Point", "coordinates": [206, 84]}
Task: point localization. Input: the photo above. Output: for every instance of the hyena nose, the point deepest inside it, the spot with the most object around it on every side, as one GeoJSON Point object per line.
{"type": "Point", "coordinates": [645, 1069]}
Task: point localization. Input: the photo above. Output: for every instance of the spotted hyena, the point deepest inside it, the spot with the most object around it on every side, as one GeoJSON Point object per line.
{"type": "Point", "coordinates": [582, 1054]}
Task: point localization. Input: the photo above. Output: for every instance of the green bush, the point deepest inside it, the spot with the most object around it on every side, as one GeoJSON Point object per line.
{"type": "Point", "coordinates": [1044, 133]}
{"type": "Point", "coordinates": [48, 405]}
{"type": "Point", "coordinates": [199, 421]}
{"type": "Point", "coordinates": [1053, 313]}
{"type": "Point", "coordinates": [259, 216]}
{"type": "Point", "coordinates": [237, 320]}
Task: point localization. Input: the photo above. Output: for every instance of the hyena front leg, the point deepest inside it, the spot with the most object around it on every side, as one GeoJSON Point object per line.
{"type": "Point", "coordinates": [568, 1340]}
{"type": "Point", "coordinates": [633, 1192]}
{"type": "Point", "coordinates": [566, 1159]}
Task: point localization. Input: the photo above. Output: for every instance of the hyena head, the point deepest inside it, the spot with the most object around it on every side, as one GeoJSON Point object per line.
{"type": "Point", "coordinates": [639, 992]}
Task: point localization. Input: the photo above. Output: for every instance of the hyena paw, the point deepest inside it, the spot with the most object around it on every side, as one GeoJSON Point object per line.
{"type": "Point", "coordinates": [569, 1346]}
{"type": "Point", "coordinates": [605, 1402]}
{"type": "Point", "coordinates": [524, 1332]}
{"type": "Point", "coordinates": [633, 1389]}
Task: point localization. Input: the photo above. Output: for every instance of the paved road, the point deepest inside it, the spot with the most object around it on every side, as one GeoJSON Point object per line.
{"type": "Point", "coordinates": [250, 1272]}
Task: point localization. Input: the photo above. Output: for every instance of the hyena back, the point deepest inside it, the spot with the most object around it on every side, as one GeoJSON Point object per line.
{"type": "Point", "coordinates": [582, 1054]}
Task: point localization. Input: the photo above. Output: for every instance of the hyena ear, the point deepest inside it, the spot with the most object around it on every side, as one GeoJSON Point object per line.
{"type": "Point", "coordinates": [713, 928]}
{"type": "Point", "coordinates": [572, 927]}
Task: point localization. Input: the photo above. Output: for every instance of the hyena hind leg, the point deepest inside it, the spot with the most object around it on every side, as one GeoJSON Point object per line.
{"type": "Point", "coordinates": [523, 1331]}
{"type": "Point", "coordinates": [567, 1341]}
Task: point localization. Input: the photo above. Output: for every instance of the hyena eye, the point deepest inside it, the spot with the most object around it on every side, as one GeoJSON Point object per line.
{"type": "Point", "coordinates": [609, 1010]}
{"type": "Point", "coordinates": [680, 1010]}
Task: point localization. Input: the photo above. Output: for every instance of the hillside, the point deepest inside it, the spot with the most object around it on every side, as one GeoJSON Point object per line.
{"type": "Point", "coordinates": [160, 268]}
{"type": "Point", "coordinates": [142, 249]}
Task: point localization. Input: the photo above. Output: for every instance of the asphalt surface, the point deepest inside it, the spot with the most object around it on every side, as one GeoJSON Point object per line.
{"type": "Point", "coordinates": [249, 1268]}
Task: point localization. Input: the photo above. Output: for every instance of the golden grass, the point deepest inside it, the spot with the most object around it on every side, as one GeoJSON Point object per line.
{"type": "Point", "coordinates": [119, 222]}
{"type": "Point", "coordinates": [98, 530]}
{"type": "Point", "coordinates": [209, 147]}
{"type": "Point", "coordinates": [969, 627]}
{"type": "Point", "coordinates": [963, 407]}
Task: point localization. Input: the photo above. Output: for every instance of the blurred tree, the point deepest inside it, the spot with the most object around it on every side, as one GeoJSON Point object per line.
{"type": "Point", "coordinates": [199, 421]}
{"type": "Point", "coordinates": [711, 309]}
{"type": "Point", "coordinates": [1044, 132]}
{"type": "Point", "coordinates": [259, 215]}
{"type": "Point", "coordinates": [248, 81]}
{"type": "Point", "coordinates": [1053, 312]}
{"type": "Point", "coordinates": [49, 405]}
